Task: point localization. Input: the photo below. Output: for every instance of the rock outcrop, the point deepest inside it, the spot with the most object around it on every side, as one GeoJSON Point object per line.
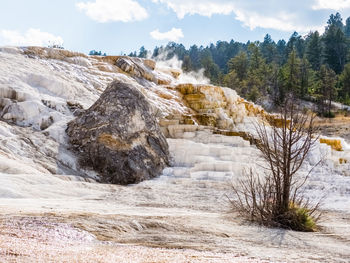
{"type": "Point", "coordinates": [119, 137]}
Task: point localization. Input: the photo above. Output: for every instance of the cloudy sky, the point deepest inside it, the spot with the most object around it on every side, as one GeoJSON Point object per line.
{"type": "Point", "coordinates": [121, 26]}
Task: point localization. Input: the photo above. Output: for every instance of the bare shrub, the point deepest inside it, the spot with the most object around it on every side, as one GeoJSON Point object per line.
{"type": "Point", "coordinates": [274, 198]}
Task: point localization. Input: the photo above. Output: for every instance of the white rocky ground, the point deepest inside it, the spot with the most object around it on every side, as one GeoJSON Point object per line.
{"type": "Point", "coordinates": [51, 210]}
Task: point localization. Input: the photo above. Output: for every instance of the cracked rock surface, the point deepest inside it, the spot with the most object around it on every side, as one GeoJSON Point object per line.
{"type": "Point", "coordinates": [118, 136]}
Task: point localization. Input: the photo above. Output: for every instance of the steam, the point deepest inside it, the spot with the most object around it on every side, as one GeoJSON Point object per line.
{"type": "Point", "coordinates": [167, 65]}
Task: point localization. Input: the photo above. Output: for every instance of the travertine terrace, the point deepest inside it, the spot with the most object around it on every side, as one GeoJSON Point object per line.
{"type": "Point", "coordinates": [51, 209]}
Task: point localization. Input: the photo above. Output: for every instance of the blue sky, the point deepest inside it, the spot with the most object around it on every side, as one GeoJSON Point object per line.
{"type": "Point", "coordinates": [121, 26]}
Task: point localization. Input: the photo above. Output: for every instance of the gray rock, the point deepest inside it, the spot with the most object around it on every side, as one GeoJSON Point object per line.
{"type": "Point", "coordinates": [136, 67]}
{"type": "Point", "coordinates": [119, 137]}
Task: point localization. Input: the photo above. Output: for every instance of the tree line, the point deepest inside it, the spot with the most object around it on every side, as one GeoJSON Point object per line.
{"type": "Point", "coordinates": [314, 67]}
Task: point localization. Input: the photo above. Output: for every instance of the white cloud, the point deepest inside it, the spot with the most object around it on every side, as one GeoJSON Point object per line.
{"type": "Point", "coordinates": [203, 8]}
{"type": "Point", "coordinates": [271, 14]}
{"type": "Point", "coordinates": [32, 37]}
{"type": "Point", "coordinates": [281, 21]}
{"type": "Point", "coordinates": [173, 35]}
{"type": "Point", "coordinates": [113, 10]}
{"type": "Point", "coordinates": [331, 4]}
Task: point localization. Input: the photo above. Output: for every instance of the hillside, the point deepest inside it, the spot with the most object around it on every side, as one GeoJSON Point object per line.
{"type": "Point", "coordinates": [54, 209]}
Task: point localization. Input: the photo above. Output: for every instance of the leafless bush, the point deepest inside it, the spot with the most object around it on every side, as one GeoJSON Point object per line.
{"type": "Point", "coordinates": [274, 199]}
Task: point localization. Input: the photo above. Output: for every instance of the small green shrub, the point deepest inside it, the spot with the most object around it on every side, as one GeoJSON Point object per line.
{"type": "Point", "coordinates": [298, 218]}
{"type": "Point", "coordinates": [329, 114]}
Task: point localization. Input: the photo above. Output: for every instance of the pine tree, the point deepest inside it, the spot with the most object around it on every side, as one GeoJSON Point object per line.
{"type": "Point", "coordinates": [290, 77]}
{"type": "Point", "coordinates": [335, 20]}
{"type": "Point", "coordinates": [232, 81]}
{"type": "Point", "coordinates": [240, 64]}
{"type": "Point", "coordinates": [297, 43]}
{"type": "Point", "coordinates": [143, 52]}
{"type": "Point", "coordinates": [345, 84]}
{"type": "Point", "coordinates": [281, 57]}
{"type": "Point", "coordinates": [156, 52]}
{"type": "Point", "coordinates": [259, 73]}
{"type": "Point", "coordinates": [347, 28]}
{"type": "Point", "coordinates": [326, 91]}
{"type": "Point", "coordinates": [305, 72]}
{"type": "Point", "coordinates": [255, 57]}
{"type": "Point", "coordinates": [194, 55]}
{"type": "Point", "coordinates": [211, 70]}
{"type": "Point", "coordinates": [314, 50]}
{"type": "Point", "coordinates": [268, 49]}
{"type": "Point", "coordinates": [335, 48]}
{"type": "Point", "coordinates": [187, 64]}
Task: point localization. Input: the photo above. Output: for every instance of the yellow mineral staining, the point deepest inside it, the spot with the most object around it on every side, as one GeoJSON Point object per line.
{"type": "Point", "coordinates": [244, 135]}
{"type": "Point", "coordinates": [164, 95]}
{"type": "Point", "coordinates": [175, 73]}
{"type": "Point", "coordinates": [241, 134]}
{"type": "Point", "coordinates": [334, 143]}
{"type": "Point", "coordinates": [276, 121]}
{"type": "Point", "coordinates": [202, 96]}
{"type": "Point", "coordinates": [208, 101]}
{"type": "Point", "coordinates": [163, 81]}
{"type": "Point", "coordinates": [150, 63]}
{"type": "Point", "coordinates": [52, 53]}
{"type": "Point", "coordinates": [186, 89]}
{"type": "Point", "coordinates": [108, 59]}
{"type": "Point", "coordinates": [196, 101]}
{"type": "Point", "coordinates": [253, 110]}
{"type": "Point", "coordinates": [343, 161]}
{"type": "Point", "coordinates": [207, 119]}
{"type": "Point", "coordinates": [188, 121]}
{"type": "Point", "coordinates": [194, 97]}
{"type": "Point", "coordinates": [108, 68]}
{"type": "Point", "coordinates": [112, 142]}
{"type": "Point", "coordinates": [203, 99]}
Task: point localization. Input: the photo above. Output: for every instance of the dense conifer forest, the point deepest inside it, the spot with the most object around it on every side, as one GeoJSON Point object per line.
{"type": "Point", "coordinates": [314, 67]}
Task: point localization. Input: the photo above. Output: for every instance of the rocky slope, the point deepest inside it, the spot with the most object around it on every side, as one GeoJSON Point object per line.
{"type": "Point", "coordinates": [43, 187]}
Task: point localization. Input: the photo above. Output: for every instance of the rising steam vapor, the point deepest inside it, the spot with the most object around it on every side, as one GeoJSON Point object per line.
{"type": "Point", "coordinates": [195, 77]}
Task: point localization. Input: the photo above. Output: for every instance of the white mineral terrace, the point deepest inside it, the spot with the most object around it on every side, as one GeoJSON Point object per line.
{"type": "Point", "coordinates": [185, 208]}
{"type": "Point", "coordinates": [52, 211]}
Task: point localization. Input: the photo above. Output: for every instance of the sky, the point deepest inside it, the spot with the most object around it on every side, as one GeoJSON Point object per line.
{"type": "Point", "coordinates": [121, 26]}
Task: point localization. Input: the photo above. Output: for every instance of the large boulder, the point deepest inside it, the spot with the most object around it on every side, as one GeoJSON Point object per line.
{"type": "Point", "coordinates": [119, 136]}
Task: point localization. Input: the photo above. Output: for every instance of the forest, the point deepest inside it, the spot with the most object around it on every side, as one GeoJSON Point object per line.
{"type": "Point", "coordinates": [314, 67]}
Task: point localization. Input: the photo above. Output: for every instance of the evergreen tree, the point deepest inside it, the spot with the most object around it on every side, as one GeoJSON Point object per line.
{"type": "Point", "coordinates": [296, 43]}
{"type": "Point", "coordinates": [290, 77]}
{"type": "Point", "coordinates": [258, 79]}
{"type": "Point", "coordinates": [314, 50]}
{"type": "Point", "coordinates": [232, 81]}
{"type": "Point", "coordinates": [211, 70]}
{"type": "Point", "coordinates": [347, 28]}
{"type": "Point", "coordinates": [239, 64]}
{"type": "Point", "coordinates": [143, 52]}
{"type": "Point", "coordinates": [281, 57]}
{"type": "Point", "coordinates": [326, 91]}
{"type": "Point", "coordinates": [268, 48]}
{"type": "Point", "coordinates": [222, 55]}
{"type": "Point", "coordinates": [345, 84]}
{"type": "Point", "coordinates": [156, 52]}
{"type": "Point", "coordinates": [305, 77]}
{"type": "Point", "coordinates": [255, 57]}
{"type": "Point", "coordinates": [194, 55]}
{"type": "Point", "coordinates": [187, 64]}
{"type": "Point", "coordinates": [336, 49]}
{"type": "Point", "coordinates": [335, 20]}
